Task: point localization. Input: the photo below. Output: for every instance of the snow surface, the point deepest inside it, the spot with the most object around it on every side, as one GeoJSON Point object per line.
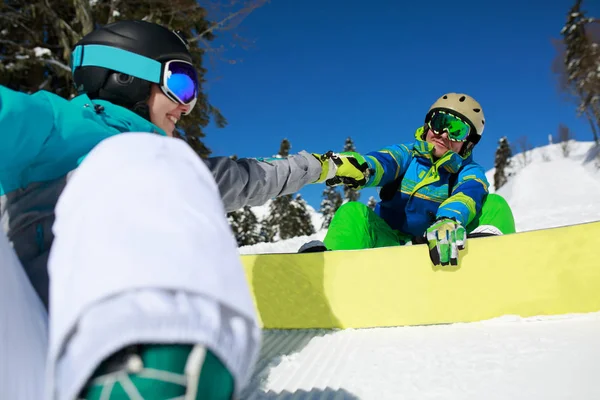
{"type": "Point", "coordinates": [41, 52]}
{"type": "Point", "coordinates": [551, 190]}
{"type": "Point", "coordinates": [505, 358]}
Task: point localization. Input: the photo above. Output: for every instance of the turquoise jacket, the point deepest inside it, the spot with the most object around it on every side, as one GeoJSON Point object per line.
{"type": "Point", "coordinates": [423, 195]}
{"type": "Point", "coordinates": [44, 136]}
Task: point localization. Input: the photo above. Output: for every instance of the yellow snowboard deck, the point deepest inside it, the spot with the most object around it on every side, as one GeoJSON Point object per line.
{"type": "Point", "coordinates": [545, 272]}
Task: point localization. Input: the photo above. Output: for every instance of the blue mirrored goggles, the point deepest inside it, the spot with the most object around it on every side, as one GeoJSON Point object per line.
{"type": "Point", "coordinates": [177, 79]}
{"type": "Point", "coordinates": [457, 129]}
{"type": "Point", "coordinates": [180, 82]}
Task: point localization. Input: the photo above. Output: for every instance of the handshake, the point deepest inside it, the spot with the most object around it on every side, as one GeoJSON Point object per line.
{"type": "Point", "coordinates": [348, 168]}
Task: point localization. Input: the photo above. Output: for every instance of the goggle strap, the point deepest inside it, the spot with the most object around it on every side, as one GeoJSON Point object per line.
{"type": "Point", "coordinates": [113, 58]}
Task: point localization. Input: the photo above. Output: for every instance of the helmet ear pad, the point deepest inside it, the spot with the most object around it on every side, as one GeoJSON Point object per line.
{"type": "Point", "coordinates": [115, 87]}
{"type": "Point", "coordinates": [121, 89]}
{"type": "Point", "coordinates": [91, 80]}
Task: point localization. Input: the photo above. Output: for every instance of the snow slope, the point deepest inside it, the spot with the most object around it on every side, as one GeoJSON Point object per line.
{"type": "Point", "coordinates": [549, 189]}
{"type": "Point", "coordinates": [505, 358]}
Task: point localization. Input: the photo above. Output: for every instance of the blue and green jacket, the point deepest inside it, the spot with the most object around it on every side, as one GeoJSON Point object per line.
{"type": "Point", "coordinates": [423, 195]}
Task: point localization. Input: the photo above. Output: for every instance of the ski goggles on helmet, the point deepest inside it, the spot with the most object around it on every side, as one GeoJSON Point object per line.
{"type": "Point", "coordinates": [457, 129]}
{"type": "Point", "coordinates": [179, 82]}
{"type": "Point", "coordinates": [177, 79]}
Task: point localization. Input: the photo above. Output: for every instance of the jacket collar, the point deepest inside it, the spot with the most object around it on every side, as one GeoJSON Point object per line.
{"type": "Point", "coordinates": [451, 161]}
{"type": "Point", "coordinates": [117, 117]}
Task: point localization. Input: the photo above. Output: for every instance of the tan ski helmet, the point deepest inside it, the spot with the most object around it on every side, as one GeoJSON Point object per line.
{"type": "Point", "coordinates": [464, 106]}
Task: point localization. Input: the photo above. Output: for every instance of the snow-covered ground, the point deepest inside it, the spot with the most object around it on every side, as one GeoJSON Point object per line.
{"type": "Point", "coordinates": [551, 189]}
{"type": "Point", "coordinates": [505, 358]}
{"type": "Point", "coordinates": [502, 359]}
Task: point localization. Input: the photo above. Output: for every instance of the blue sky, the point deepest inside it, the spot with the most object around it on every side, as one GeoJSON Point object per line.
{"type": "Point", "coordinates": [323, 70]}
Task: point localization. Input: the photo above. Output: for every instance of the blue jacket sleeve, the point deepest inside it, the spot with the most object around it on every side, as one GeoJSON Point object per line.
{"type": "Point", "coordinates": [467, 197]}
{"type": "Point", "coordinates": [387, 164]}
{"type": "Point", "coordinates": [26, 121]}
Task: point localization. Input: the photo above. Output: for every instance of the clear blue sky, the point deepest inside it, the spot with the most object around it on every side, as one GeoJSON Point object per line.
{"type": "Point", "coordinates": [323, 70]}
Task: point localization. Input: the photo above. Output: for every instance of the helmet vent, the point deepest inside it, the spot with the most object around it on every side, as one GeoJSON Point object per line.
{"type": "Point", "coordinates": [476, 109]}
{"type": "Point", "coordinates": [445, 97]}
{"type": "Point", "coordinates": [462, 98]}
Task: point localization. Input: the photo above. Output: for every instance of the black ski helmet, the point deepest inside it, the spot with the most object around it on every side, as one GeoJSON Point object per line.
{"type": "Point", "coordinates": [106, 78]}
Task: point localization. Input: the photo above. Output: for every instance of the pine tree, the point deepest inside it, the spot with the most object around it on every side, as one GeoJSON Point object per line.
{"type": "Point", "coordinates": [244, 225]}
{"type": "Point", "coordinates": [581, 65]}
{"type": "Point", "coordinates": [502, 162]}
{"type": "Point", "coordinates": [278, 218]}
{"type": "Point", "coordinates": [288, 214]}
{"type": "Point", "coordinates": [349, 193]}
{"type": "Point", "coordinates": [299, 220]}
{"type": "Point", "coordinates": [278, 225]}
{"type": "Point", "coordinates": [267, 231]}
{"type": "Point", "coordinates": [372, 203]}
{"type": "Point", "coordinates": [332, 200]}
{"type": "Point", "coordinates": [564, 138]}
{"type": "Point", "coordinates": [284, 148]}
{"type": "Point", "coordinates": [37, 37]}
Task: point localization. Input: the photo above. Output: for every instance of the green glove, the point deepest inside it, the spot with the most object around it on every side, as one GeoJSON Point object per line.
{"type": "Point", "coordinates": [348, 168]}
{"type": "Point", "coordinates": [445, 238]}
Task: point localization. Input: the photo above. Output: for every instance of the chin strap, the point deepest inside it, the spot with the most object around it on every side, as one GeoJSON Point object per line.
{"type": "Point", "coordinates": [466, 148]}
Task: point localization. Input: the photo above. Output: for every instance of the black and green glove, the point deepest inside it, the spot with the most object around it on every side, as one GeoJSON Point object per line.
{"type": "Point", "coordinates": [445, 238]}
{"type": "Point", "coordinates": [347, 168]}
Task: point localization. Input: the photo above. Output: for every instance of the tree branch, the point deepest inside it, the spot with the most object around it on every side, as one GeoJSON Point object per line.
{"type": "Point", "coordinates": [15, 19]}
{"type": "Point", "coordinates": [62, 29]}
{"type": "Point", "coordinates": [45, 83]}
{"type": "Point", "coordinates": [57, 63]}
{"type": "Point", "coordinates": [32, 56]}
{"type": "Point", "coordinates": [83, 13]}
{"type": "Point", "coordinates": [113, 7]}
{"type": "Point", "coordinates": [245, 11]}
{"type": "Point", "coordinates": [6, 41]}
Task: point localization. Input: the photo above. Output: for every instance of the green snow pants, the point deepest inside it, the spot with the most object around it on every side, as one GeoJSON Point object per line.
{"type": "Point", "coordinates": [355, 226]}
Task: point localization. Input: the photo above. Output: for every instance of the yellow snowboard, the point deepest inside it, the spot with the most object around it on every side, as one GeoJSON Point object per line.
{"type": "Point", "coordinates": [545, 272]}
